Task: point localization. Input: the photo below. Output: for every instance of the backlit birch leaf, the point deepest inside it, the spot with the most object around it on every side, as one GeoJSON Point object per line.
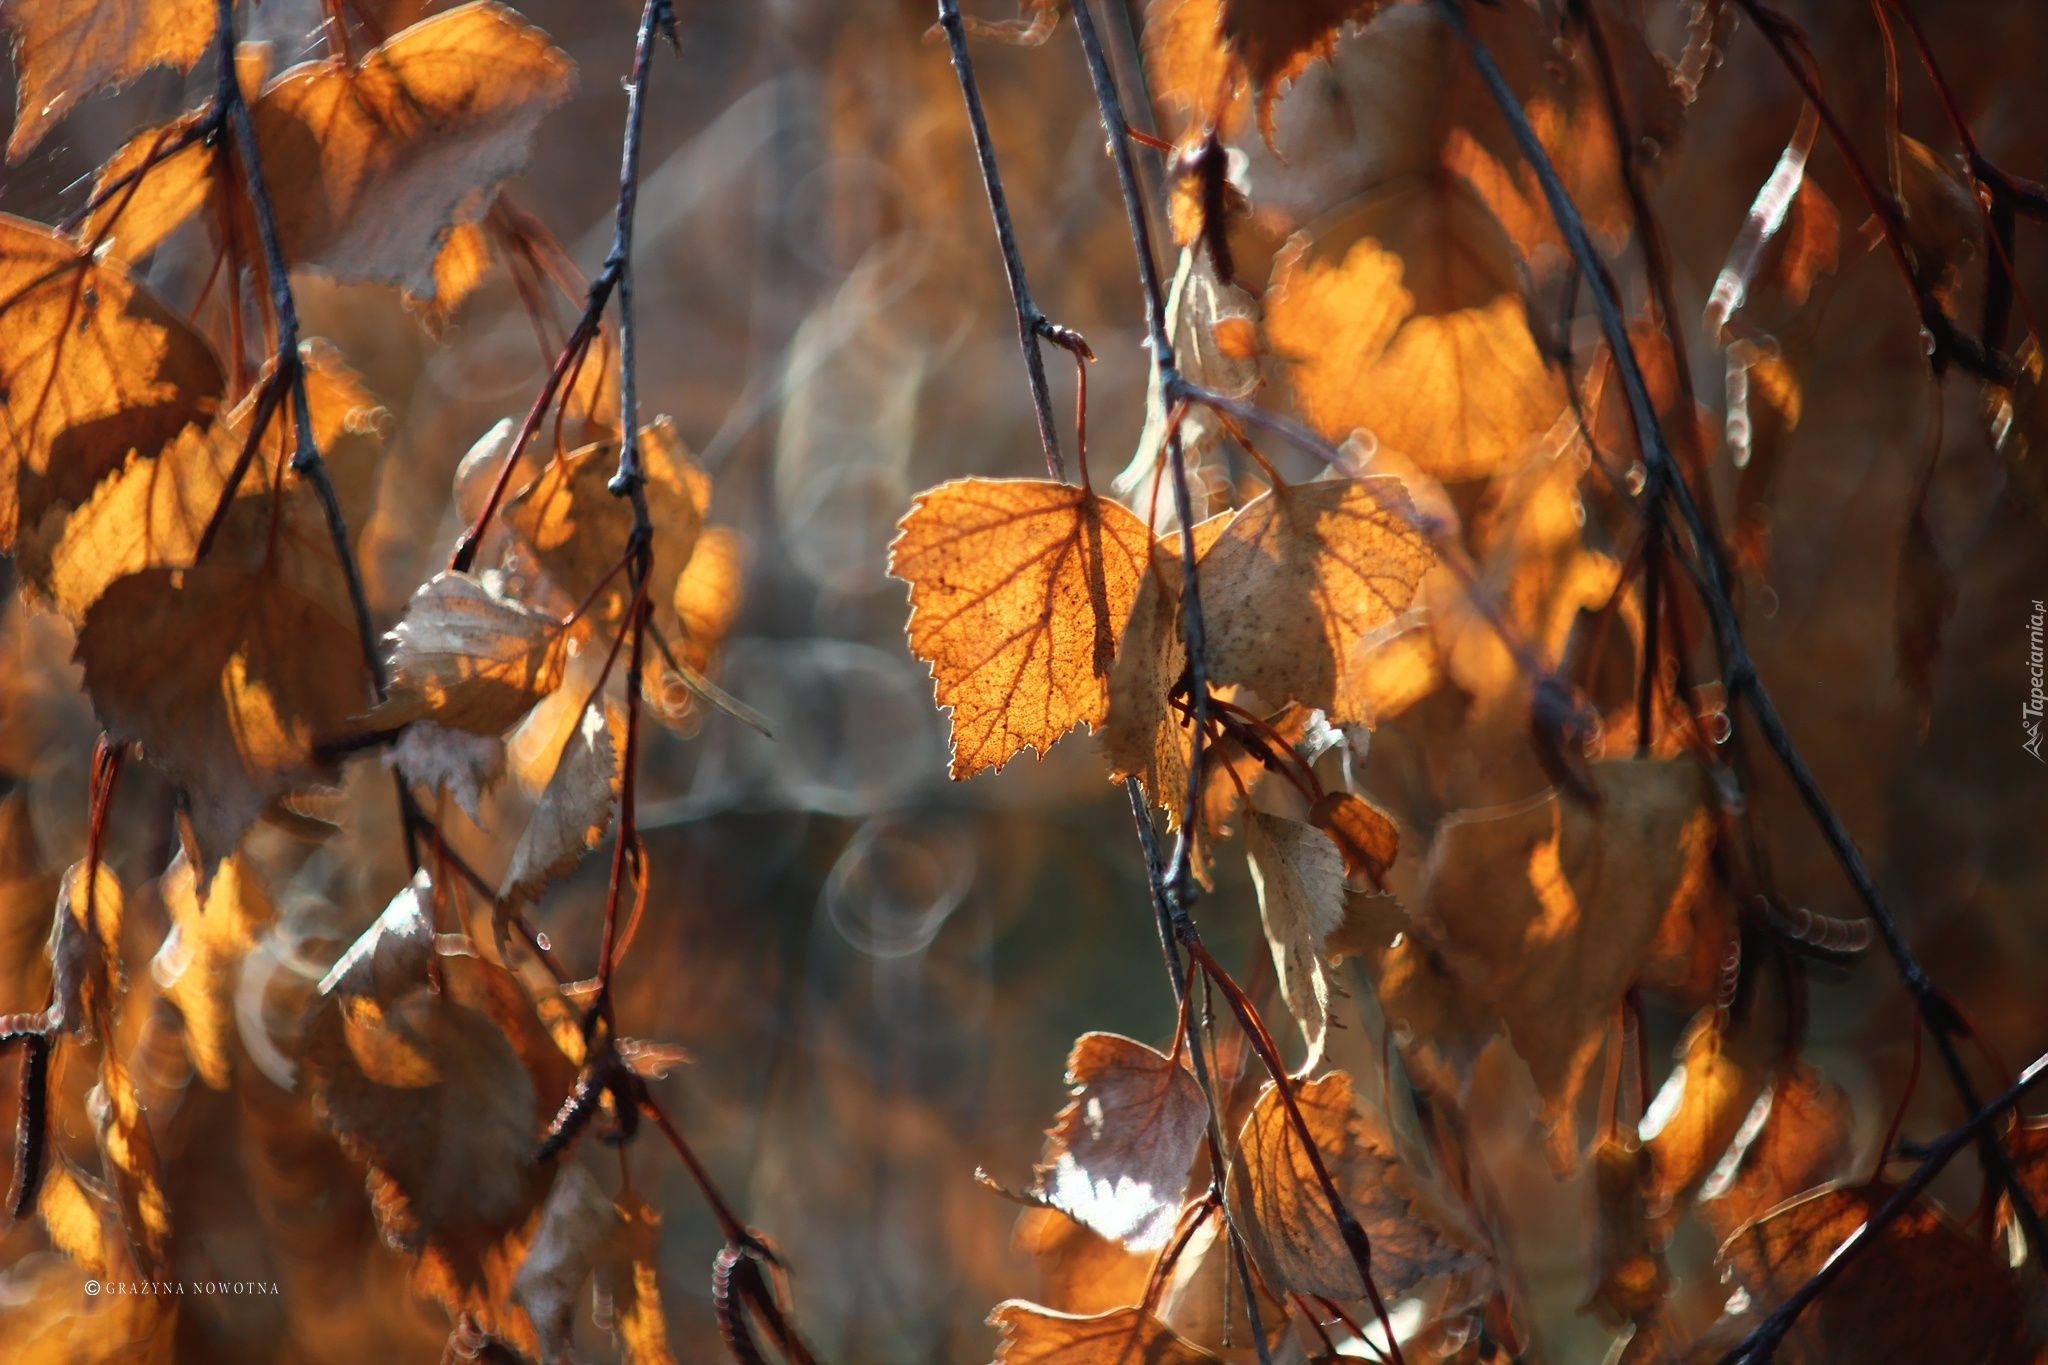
{"type": "Point", "coordinates": [1427, 347]}
{"type": "Point", "coordinates": [1143, 735]}
{"type": "Point", "coordinates": [1019, 592]}
{"type": "Point", "coordinates": [1125, 1336]}
{"type": "Point", "coordinates": [1926, 1291]}
{"type": "Point", "coordinates": [1214, 330]}
{"type": "Point", "coordinates": [200, 961]}
{"type": "Point", "coordinates": [1203, 1300]}
{"type": "Point", "coordinates": [128, 1157]}
{"type": "Point", "coordinates": [1287, 1223]}
{"type": "Point", "coordinates": [154, 512]}
{"type": "Point", "coordinates": [133, 221]}
{"type": "Point", "coordinates": [92, 366]}
{"type": "Point", "coordinates": [1191, 70]}
{"type": "Point", "coordinates": [1117, 1157]}
{"type": "Point", "coordinates": [1724, 1065]}
{"type": "Point", "coordinates": [1299, 876]}
{"type": "Point", "coordinates": [1804, 1136]}
{"type": "Point", "coordinates": [65, 50]}
{"type": "Point", "coordinates": [576, 1224]}
{"type": "Point", "coordinates": [577, 527]}
{"type": "Point", "coordinates": [262, 672]}
{"type": "Point", "coordinates": [1208, 48]}
{"type": "Point", "coordinates": [1364, 834]}
{"type": "Point", "coordinates": [634, 1279]}
{"type": "Point", "coordinates": [1079, 1270]}
{"type": "Point", "coordinates": [575, 808]}
{"type": "Point", "coordinates": [1300, 580]}
{"type": "Point", "coordinates": [463, 765]}
{"type": "Point", "coordinates": [85, 961]}
{"type": "Point", "coordinates": [1537, 918]}
{"type": "Point", "coordinates": [466, 657]}
{"type": "Point", "coordinates": [709, 594]}
{"type": "Point", "coordinates": [372, 166]}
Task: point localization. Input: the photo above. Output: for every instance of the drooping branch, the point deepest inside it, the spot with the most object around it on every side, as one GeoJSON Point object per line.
{"type": "Point", "coordinates": [1739, 673]}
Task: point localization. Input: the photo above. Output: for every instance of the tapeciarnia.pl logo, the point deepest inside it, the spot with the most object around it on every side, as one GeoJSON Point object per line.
{"type": "Point", "coordinates": [2037, 700]}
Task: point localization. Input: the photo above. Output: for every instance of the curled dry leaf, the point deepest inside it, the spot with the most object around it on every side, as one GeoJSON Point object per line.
{"type": "Point", "coordinates": [1123, 1336]}
{"type": "Point", "coordinates": [574, 809]}
{"type": "Point", "coordinates": [1926, 1291]}
{"type": "Point", "coordinates": [1214, 330]}
{"type": "Point", "coordinates": [467, 657]}
{"type": "Point", "coordinates": [1287, 1224]}
{"type": "Point", "coordinates": [1537, 918]}
{"type": "Point", "coordinates": [453, 761]}
{"type": "Point", "coordinates": [64, 51]}
{"type": "Point", "coordinates": [201, 958]}
{"type": "Point", "coordinates": [372, 166]}
{"type": "Point", "coordinates": [92, 366]}
{"type": "Point", "coordinates": [1117, 1158]}
{"type": "Point", "coordinates": [1297, 584]}
{"type": "Point", "coordinates": [1019, 591]}
{"type": "Point", "coordinates": [442, 1093]}
{"type": "Point", "coordinates": [1299, 876]}
{"type": "Point", "coordinates": [576, 1224]}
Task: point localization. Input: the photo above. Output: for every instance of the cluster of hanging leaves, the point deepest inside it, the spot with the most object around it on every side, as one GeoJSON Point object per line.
{"type": "Point", "coordinates": [1363, 245]}
{"type": "Point", "coordinates": [185, 501]}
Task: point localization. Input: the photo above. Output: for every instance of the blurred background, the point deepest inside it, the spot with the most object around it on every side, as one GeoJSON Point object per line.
{"type": "Point", "coordinates": [876, 973]}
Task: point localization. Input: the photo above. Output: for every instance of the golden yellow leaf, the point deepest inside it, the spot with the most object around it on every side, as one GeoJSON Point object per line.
{"type": "Point", "coordinates": [1297, 584]}
{"type": "Point", "coordinates": [200, 960]}
{"type": "Point", "coordinates": [1117, 1158]}
{"type": "Point", "coordinates": [635, 1281]}
{"type": "Point", "coordinates": [1079, 1270]}
{"type": "Point", "coordinates": [64, 51]}
{"type": "Point", "coordinates": [1191, 70]}
{"type": "Point", "coordinates": [1287, 1224]}
{"type": "Point", "coordinates": [1807, 1138]}
{"type": "Point", "coordinates": [134, 220]}
{"type": "Point", "coordinates": [1124, 1336]}
{"type": "Point", "coordinates": [1537, 918]}
{"type": "Point", "coordinates": [1417, 333]}
{"type": "Point", "coordinates": [92, 366]}
{"type": "Point", "coordinates": [1723, 1066]}
{"type": "Point", "coordinates": [1299, 876]}
{"type": "Point", "coordinates": [1019, 592]}
{"type": "Point", "coordinates": [128, 1157]}
{"type": "Point", "coordinates": [1364, 834]}
{"type": "Point", "coordinates": [466, 657]}
{"type": "Point", "coordinates": [372, 166]}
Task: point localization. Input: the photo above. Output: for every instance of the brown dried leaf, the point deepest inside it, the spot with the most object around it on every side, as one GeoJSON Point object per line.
{"type": "Point", "coordinates": [463, 765]}
{"type": "Point", "coordinates": [1288, 1227]}
{"type": "Point", "coordinates": [372, 166]}
{"type": "Point", "coordinates": [92, 366]}
{"type": "Point", "coordinates": [634, 1279]}
{"type": "Point", "coordinates": [1807, 1138]}
{"type": "Point", "coordinates": [200, 961]}
{"type": "Point", "coordinates": [1019, 591]}
{"type": "Point", "coordinates": [229, 677]}
{"type": "Point", "coordinates": [1724, 1064]}
{"type": "Point", "coordinates": [1117, 1158]}
{"type": "Point", "coordinates": [1944, 227]}
{"type": "Point", "coordinates": [576, 1224]}
{"type": "Point", "coordinates": [1926, 1291]}
{"type": "Point", "coordinates": [1537, 919]}
{"type": "Point", "coordinates": [709, 593]}
{"type": "Point", "coordinates": [1079, 1271]}
{"type": "Point", "coordinates": [134, 220]}
{"type": "Point", "coordinates": [467, 657]}
{"type": "Point", "coordinates": [1630, 1278]}
{"type": "Point", "coordinates": [85, 959]}
{"type": "Point", "coordinates": [1418, 333]}
{"type": "Point", "coordinates": [1299, 876]}
{"type": "Point", "coordinates": [128, 1157]}
{"type": "Point", "coordinates": [575, 809]}
{"type": "Point", "coordinates": [1204, 1299]}
{"type": "Point", "coordinates": [1124, 1336]}
{"type": "Point", "coordinates": [1298, 583]}
{"type": "Point", "coordinates": [64, 51]}
{"type": "Point", "coordinates": [1364, 834]}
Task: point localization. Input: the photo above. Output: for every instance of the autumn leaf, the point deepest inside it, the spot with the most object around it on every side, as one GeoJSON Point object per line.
{"type": "Point", "coordinates": [709, 593]}
{"type": "Point", "coordinates": [1204, 1299]}
{"type": "Point", "coordinates": [1214, 330]}
{"type": "Point", "coordinates": [1630, 1278]}
{"type": "Point", "coordinates": [1207, 46]}
{"type": "Point", "coordinates": [371, 167]}
{"type": "Point", "coordinates": [1803, 1137]}
{"type": "Point", "coordinates": [92, 366]}
{"type": "Point", "coordinates": [1019, 592]}
{"type": "Point", "coordinates": [1117, 1158]}
{"type": "Point", "coordinates": [200, 960]}
{"type": "Point", "coordinates": [1725, 1063]}
{"type": "Point", "coordinates": [158, 189]}
{"type": "Point", "coordinates": [575, 808]}
{"type": "Point", "coordinates": [1297, 584]}
{"type": "Point", "coordinates": [1537, 919]}
{"type": "Point", "coordinates": [467, 657]}
{"type": "Point", "coordinates": [1299, 876]}
{"type": "Point", "coordinates": [1926, 1291]}
{"type": "Point", "coordinates": [1123, 1336]}
{"type": "Point", "coordinates": [1287, 1222]}
{"type": "Point", "coordinates": [463, 765]}
{"type": "Point", "coordinates": [1079, 1270]}
{"type": "Point", "coordinates": [633, 1276]}
{"type": "Point", "coordinates": [1365, 835]}
{"type": "Point", "coordinates": [577, 1225]}
{"type": "Point", "coordinates": [262, 673]}
{"type": "Point", "coordinates": [65, 51]}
